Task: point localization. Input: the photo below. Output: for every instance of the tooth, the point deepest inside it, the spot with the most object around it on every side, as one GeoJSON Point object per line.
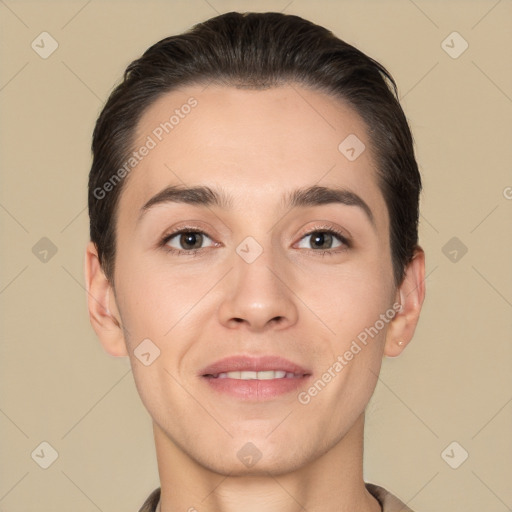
{"type": "Point", "coordinates": [261, 375]}
{"type": "Point", "coordinates": [266, 375]}
{"type": "Point", "coordinates": [246, 375]}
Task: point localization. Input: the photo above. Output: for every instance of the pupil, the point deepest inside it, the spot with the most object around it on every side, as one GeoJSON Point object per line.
{"type": "Point", "coordinates": [321, 238]}
{"type": "Point", "coordinates": [191, 239]}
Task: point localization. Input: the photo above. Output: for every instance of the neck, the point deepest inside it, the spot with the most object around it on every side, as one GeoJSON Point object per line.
{"type": "Point", "coordinates": [333, 482]}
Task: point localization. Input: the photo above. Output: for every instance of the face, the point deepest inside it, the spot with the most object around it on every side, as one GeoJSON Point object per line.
{"type": "Point", "coordinates": [252, 274]}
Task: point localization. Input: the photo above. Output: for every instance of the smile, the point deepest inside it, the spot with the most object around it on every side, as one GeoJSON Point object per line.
{"type": "Point", "coordinates": [262, 375]}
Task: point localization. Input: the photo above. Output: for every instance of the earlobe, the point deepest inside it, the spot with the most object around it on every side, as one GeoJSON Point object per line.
{"type": "Point", "coordinates": [103, 312]}
{"type": "Point", "coordinates": [410, 294]}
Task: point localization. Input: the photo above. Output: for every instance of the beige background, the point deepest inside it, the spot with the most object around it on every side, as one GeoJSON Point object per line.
{"type": "Point", "coordinates": [453, 383]}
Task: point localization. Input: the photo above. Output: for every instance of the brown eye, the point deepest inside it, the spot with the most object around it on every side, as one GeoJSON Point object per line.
{"type": "Point", "coordinates": [191, 240]}
{"type": "Point", "coordinates": [188, 240]}
{"type": "Point", "coordinates": [321, 240]}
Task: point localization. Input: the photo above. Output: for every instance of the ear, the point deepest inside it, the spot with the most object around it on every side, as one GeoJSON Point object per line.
{"type": "Point", "coordinates": [103, 311]}
{"type": "Point", "coordinates": [410, 295]}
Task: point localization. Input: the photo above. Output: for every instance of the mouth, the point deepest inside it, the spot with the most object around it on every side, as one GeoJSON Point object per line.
{"type": "Point", "coordinates": [257, 375]}
{"type": "Point", "coordinates": [255, 378]}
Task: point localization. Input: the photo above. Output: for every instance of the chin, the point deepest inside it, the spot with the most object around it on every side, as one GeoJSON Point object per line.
{"type": "Point", "coordinates": [262, 468]}
{"type": "Point", "coordinates": [256, 457]}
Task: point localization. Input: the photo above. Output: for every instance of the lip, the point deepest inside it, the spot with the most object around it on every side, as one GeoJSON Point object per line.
{"type": "Point", "coordinates": [253, 389]}
{"type": "Point", "coordinates": [240, 363]}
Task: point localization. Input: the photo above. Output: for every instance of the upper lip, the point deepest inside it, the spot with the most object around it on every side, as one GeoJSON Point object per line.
{"type": "Point", "coordinates": [240, 363]}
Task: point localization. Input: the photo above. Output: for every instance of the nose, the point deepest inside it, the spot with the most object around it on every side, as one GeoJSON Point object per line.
{"type": "Point", "coordinates": [258, 296]}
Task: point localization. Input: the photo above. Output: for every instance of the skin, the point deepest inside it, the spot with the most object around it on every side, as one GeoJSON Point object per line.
{"type": "Point", "coordinates": [291, 301]}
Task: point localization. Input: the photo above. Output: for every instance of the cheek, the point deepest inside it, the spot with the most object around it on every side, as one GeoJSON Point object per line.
{"type": "Point", "coordinates": [350, 299]}
{"type": "Point", "coordinates": [140, 301]}
{"type": "Point", "coordinates": [154, 298]}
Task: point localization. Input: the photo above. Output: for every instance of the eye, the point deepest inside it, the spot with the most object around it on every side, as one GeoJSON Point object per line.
{"type": "Point", "coordinates": [322, 240]}
{"type": "Point", "coordinates": [187, 240]}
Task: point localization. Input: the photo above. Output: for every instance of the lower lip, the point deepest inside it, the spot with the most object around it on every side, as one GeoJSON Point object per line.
{"type": "Point", "coordinates": [256, 390]}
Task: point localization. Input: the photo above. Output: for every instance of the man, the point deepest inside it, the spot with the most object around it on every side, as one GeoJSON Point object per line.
{"type": "Point", "coordinates": [254, 204]}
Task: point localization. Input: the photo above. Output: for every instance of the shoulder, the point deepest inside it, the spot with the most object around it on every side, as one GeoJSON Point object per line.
{"type": "Point", "coordinates": [388, 501]}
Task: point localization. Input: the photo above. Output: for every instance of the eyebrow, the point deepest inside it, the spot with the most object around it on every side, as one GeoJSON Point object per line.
{"type": "Point", "coordinates": [206, 196]}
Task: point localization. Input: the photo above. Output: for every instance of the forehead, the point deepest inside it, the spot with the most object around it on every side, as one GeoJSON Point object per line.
{"type": "Point", "coordinates": [254, 144]}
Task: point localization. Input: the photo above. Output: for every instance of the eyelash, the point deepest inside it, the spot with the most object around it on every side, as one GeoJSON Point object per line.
{"type": "Point", "coordinates": [181, 252]}
{"type": "Point", "coordinates": [317, 229]}
{"type": "Point", "coordinates": [331, 231]}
